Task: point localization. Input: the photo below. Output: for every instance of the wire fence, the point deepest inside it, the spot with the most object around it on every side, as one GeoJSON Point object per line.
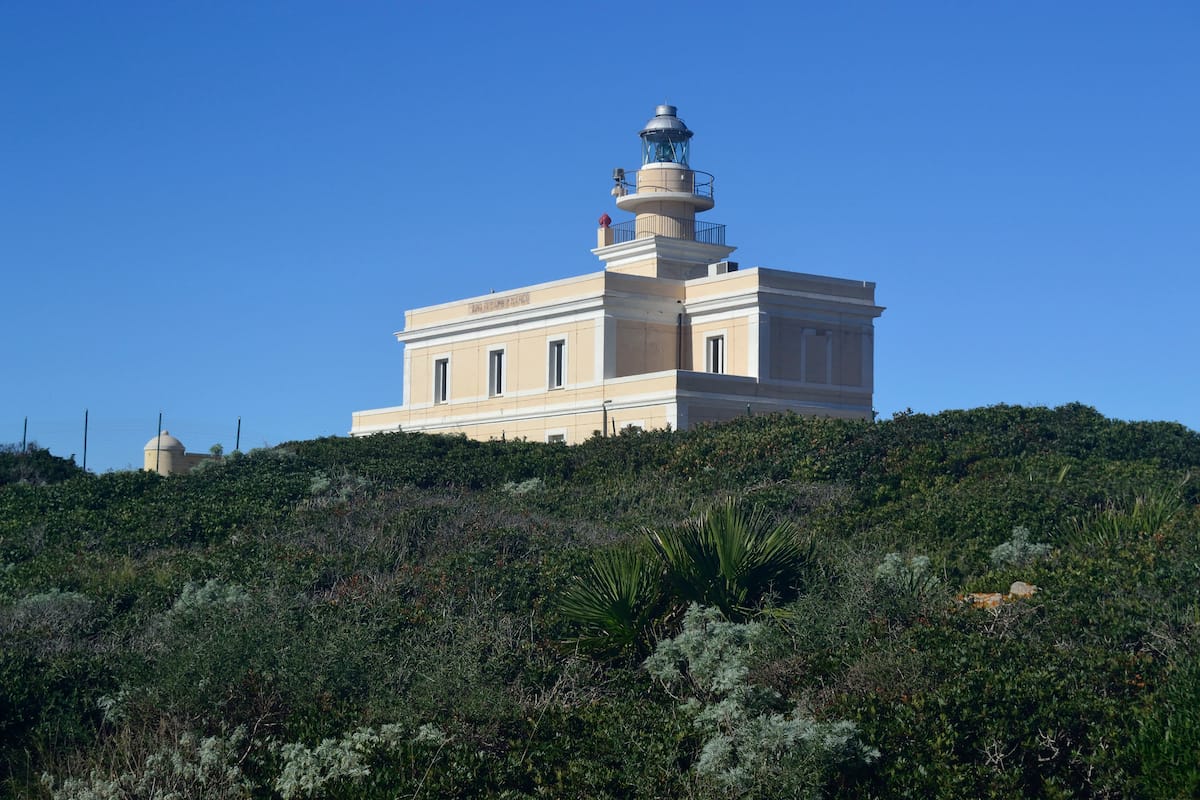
{"type": "Point", "coordinates": [102, 443]}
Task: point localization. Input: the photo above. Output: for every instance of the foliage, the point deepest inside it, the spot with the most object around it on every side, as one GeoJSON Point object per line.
{"type": "Point", "coordinates": [1115, 519]}
{"type": "Point", "coordinates": [1018, 551]}
{"type": "Point", "coordinates": [524, 487]}
{"type": "Point", "coordinates": [310, 594]}
{"type": "Point", "coordinates": [750, 747]}
{"type": "Point", "coordinates": [911, 576]}
{"type": "Point", "coordinates": [34, 465]}
{"type": "Point", "coordinates": [1166, 746]}
{"type": "Point", "coordinates": [731, 558]}
{"type": "Point", "coordinates": [727, 556]}
{"type": "Point", "coordinates": [616, 600]}
{"type": "Point", "coordinates": [308, 771]}
{"type": "Point", "coordinates": [199, 768]}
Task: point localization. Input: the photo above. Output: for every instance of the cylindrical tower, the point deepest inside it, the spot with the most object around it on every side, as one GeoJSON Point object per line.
{"type": "Point", "coordinates": [667, 192]}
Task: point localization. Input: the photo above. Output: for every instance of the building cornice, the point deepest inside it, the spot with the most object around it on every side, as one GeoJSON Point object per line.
{"type": "Point", "coordinates": [661, 247]}
{"type": "Point", "coordinates": [574, 309]}
{"type": "Point", "coordinates": [609, 300]}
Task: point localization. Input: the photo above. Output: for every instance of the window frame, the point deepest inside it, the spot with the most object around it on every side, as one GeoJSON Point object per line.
{"type": "Point", "coordinates": [558, 370]}
{"type": "Point", "coordinates": [497, 371]}
{"type": "Point", "coordinates": [441, 379]}
{"type": "Point", "coordinates": [715, 362]}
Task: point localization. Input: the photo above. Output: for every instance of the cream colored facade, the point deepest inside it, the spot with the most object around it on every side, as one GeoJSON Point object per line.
{"type": "Point", "coordinates": [166, 455]}
{"type": "Point", "coordinates": [668, 333]}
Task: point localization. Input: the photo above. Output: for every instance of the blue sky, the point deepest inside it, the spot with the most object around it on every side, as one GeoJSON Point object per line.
{"type": "Point", "coordinates": [222, 209]}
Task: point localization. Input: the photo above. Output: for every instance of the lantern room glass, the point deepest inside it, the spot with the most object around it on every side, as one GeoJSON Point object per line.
{"type": "Point", "coordinates": [661, 147]}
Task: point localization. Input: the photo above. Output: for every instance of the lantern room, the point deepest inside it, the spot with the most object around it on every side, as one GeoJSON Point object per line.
{"type": "Point", "coordinates": [665, 139]}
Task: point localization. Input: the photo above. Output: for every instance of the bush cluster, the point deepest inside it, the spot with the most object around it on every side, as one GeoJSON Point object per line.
{"type": "Point", "coordinates": [392, 616]}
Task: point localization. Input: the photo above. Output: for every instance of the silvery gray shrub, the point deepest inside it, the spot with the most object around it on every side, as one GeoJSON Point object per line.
{"type": "Point", "coordinates": [1018, 550]}
{"type": "Point", "coordinates": [748, 742]}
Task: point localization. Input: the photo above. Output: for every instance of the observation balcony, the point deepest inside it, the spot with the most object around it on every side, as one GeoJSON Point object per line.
{"type": "Point", "coordinates": [670, 178]}
{"type": "Point", "coordinates": [668, 227]}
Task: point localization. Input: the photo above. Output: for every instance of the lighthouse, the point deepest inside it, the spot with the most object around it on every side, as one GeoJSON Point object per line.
{"type": "Point", "coordinates": [664, 239]}
{"type": "Point", "coordinates": [669, 334]}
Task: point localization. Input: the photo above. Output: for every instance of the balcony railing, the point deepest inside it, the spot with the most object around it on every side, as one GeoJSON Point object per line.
{"type": "Point", "coordinates": [670, 228]}
{"type": "Point", "coordinates": [690, 181]}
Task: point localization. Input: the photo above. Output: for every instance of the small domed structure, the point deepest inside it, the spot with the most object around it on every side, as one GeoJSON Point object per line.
{"type": "Point", "coordinates": [165, 441]}
{"type": "Point", "coordinates": [165, 455]}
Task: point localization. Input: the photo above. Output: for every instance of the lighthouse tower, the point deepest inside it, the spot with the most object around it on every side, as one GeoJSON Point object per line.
{"type": "Point", "coordinates": [664, 240]}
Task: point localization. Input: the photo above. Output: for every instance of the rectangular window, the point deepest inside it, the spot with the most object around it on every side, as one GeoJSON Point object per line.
{"type": "Point", "coordinates": [441, 380]}
{"type": "Point", "coordinates": [495, 373]}
{"type": "Point", "coordinates": [715, 354]}
{"type": "Point", "coordinates": [558, 363]}
{"type": "Point", "coordinates": [556, 438]}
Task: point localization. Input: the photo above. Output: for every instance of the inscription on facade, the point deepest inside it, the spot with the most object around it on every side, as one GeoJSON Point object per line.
{"type": "Point", "coordinates": [511, 301]}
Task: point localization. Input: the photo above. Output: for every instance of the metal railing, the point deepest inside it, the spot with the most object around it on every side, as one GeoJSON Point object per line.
{"type": "Point", "coordinates": [668, 180]}
{"type": "Point", "coordinates": [670, 228]}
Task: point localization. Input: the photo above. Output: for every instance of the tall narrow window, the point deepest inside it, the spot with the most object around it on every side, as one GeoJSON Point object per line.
{"type": "Point", "coordinates": [715, 357]}
{"type": "Point", "coordinates": [441, 380]}
{"type": "Point", "coordinates": [495, 373]}
{"type": "Point", "coordinates": [558, 363]}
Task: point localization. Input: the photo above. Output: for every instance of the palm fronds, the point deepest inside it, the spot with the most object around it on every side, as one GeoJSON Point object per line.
{"type": "Point", "coordinates": [731, 558]}
{"type": "Point", "coordinates": [615, 600]}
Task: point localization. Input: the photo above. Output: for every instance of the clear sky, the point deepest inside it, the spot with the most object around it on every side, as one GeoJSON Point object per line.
{"type": "Point", "coordinates": [222, 209]}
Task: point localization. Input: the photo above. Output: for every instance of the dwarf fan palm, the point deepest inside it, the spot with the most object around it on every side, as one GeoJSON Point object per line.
{"type": "Point", "coordinates": [731, 558]}
{"type": "Point", "coordinates": [616, 600]}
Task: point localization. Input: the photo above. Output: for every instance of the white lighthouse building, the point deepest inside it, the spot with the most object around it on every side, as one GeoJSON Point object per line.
{"type": "Point", "coordinates": [669, 332]}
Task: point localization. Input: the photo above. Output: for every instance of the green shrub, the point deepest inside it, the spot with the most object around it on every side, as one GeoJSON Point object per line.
{"type": "Point", "coordinates": [751, 746]}
{"type": "Point", "coordinates": [413, 586]}
{"type": "Point", "coordinates": [912, 577]}
{"type": "Point", "coordinates": [191, 768]}
{"type": "Point", "coordinates": [1018, 551]}
{"type": "Point", "coordinates": [34, 465]}
{"type": "Point", "coordinates": [524, 487]}
{"type": "Point", "coordinates": [1166, 746]}
{"type": "Point", "coordinates": [343, 763]}
{"type": "Point", "coordinates": [1115, 521]}
{"type": "Point", "coordinates": [905, 589]}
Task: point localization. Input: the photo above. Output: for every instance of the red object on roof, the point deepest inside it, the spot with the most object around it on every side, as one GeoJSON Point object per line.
{"type": "Point", "coordinates": [605, 220]}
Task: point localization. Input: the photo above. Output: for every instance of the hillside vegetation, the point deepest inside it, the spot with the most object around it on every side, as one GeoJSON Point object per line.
{"type": "Point", "coordinates": [422, 616]}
